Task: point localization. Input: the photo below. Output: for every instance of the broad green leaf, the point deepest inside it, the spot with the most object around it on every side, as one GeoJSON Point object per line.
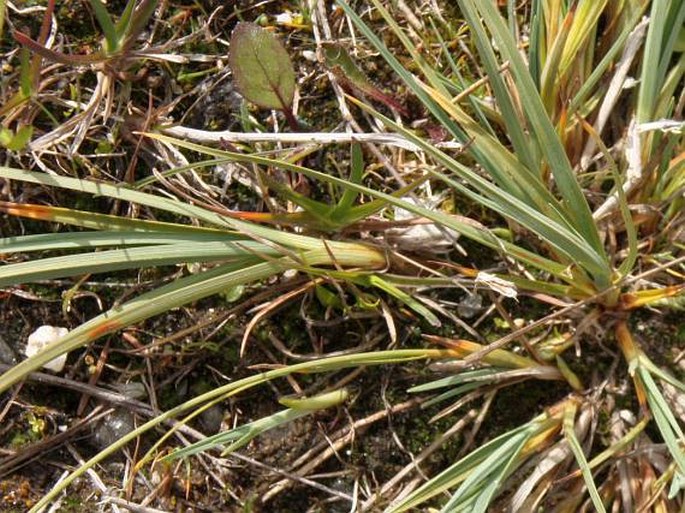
{"type": "Point", "coordinates": [262, 70]}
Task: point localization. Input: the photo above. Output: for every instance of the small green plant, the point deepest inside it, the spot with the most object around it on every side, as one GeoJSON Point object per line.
{"type": "Point", "coordinates": [520, 171]}
{"type": "Point", "coordinates": [262, 70]}
{"type": "Point", "coordinates": [114, 59]}
{"type": "Point", "coordinates": [119, 36]}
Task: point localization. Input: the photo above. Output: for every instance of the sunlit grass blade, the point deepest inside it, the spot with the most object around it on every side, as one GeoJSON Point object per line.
{"type": "Point", "coordinates": [450, 394]}
{"type": "Point", "coordinates": [406, 76]}
{"type": "Point", "coordinates": [574, 444]}
{"type": "Point", "coordinates": [665, 19]}
{"type": "Point", "coordinates": [491, 462]}
{"type": "Point", "coordinates": [106, 24]}
{"type": "Point", "coordinates": [236, 438]}
{"type": "Point", "coordinates": [664, 418]}
{"type": "Point", "coordinates": [289, 240]}
{"type": "Point", "coordinates": [454, 474]}
{"type": "Point", "coordinates": [484, 481]}
{"type": "Point", "coordinates": [651, 297]}
{"type": "Point", "coordinates": [91, 240]}
{"type": "Point", "coordinates": [560, 236]}
{"type": "Point", "coordinates": [468, 133]}
{"type": "Point", "coordinates": [458, 379]}
{"type": "Point", "coordinates": [131, 258]}
{"type": "Point", "coordinates": [470, 230]}
{"type": "Point", "coordinates": [242, 435]}
{"type": "Point", "coordinates": [585, 19]}
{"type": "Point", "coordinates": [549, 79]}
{"type": "Point", "coordinates": [475, 102]}
{"type": "Point", "coordinates": [407, 299]}
{"type": "Point", "coordinates": [490, 376]}
{"type": "Point", "coordinates": [600, 70]}
{"type": "Point", "coordinates": [497, 358]}
{"type": "Point", "coordinates": [516, 129]}
{"type": "Point", "coordinates": [122, 26]}
{"type": "Point", "coordinates": [356, 174]}
{"type": "Point", "coordinates": [627, 265]}
{"type": "Point", "coordinates": [178, 293]}
{"type": "Point", "coordinates": [648, 393]}
{"type": "Point", "coordinates": [139, 19]}
{"type": "Point", "coordinates": [542, 129]}
{"type": "Point", "coordinates": [97, 221]}
{"type": "Point", "coordinates": [617, 447]}
{"type": "Point", "coordinates": [224, 392]}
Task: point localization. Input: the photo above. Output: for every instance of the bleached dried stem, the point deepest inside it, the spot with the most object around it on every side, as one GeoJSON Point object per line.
{"type": "Point", "coordinates": [209, 137]}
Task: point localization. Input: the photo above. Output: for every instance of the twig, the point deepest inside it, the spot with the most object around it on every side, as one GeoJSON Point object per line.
{"type": "Point", "coordinates": [132, 506]}
{"type": "Point", "coordinates": [226, 136]}
{"type": "Point", "coordinates": [38, 450]}
{"type": "Point", "coordinates": [93, 475]}
{"type": "Point", "coordinates": [293, 477]}
{"type": "Point", "coordinates": [113, 398]}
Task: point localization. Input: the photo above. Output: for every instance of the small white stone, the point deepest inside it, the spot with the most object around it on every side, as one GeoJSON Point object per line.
{"type": "Point", "coordinates": [42, 337]}
{"type": "Point", "coordinates": [310, 56]}
{"type": "Point", "coordinates": [285, 18]}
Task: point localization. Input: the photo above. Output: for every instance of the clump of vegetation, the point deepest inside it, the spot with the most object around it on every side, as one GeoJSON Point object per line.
{"type": "Point", "coordinates": [513, 228]}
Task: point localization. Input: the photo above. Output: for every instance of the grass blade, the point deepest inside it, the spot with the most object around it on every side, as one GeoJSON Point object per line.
{"type": "Point", "coordinates": [550, 146]}
{"type": "Point", "coordinates": [131, 258]}
{"type": "Point", "coordinates": [224, 392]}
{"type": "Point", "coordinates": [471, 230]}
{"type": "Point", "coordinates": [574, 444]}
{"type": "Point", "coordinates": [107, 26]}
